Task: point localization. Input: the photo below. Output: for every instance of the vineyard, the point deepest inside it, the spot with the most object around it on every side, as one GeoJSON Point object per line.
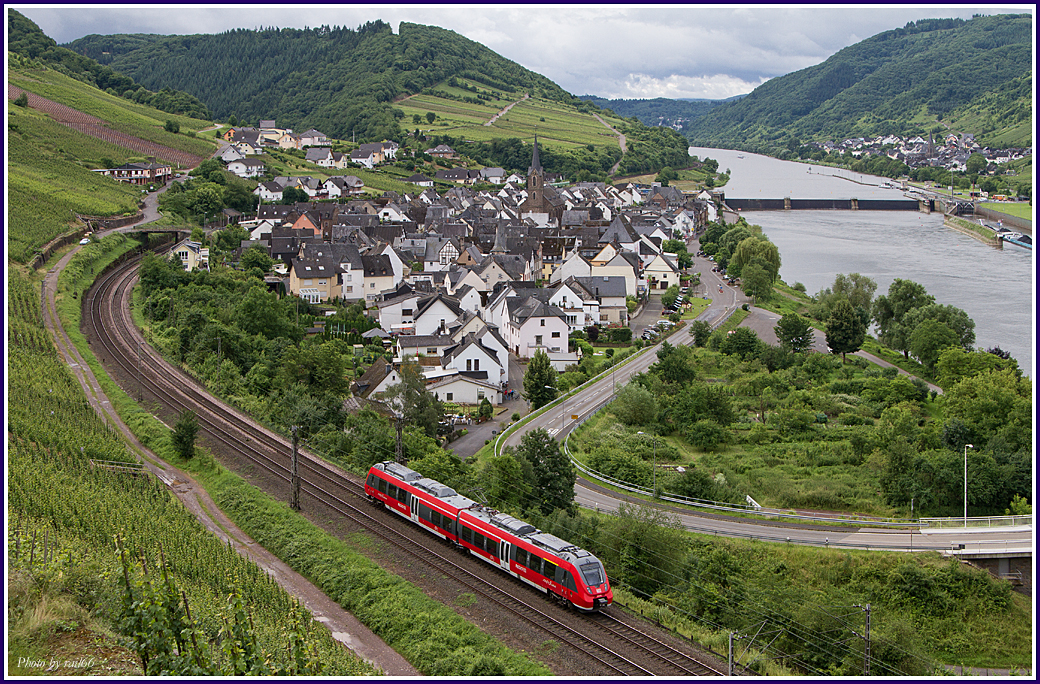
{"type": "Point", "coordinates": [48, 185]}
{"type": "Point", "coordinates": [55, 493]}
{"type": "Point", "coordinates": [95, 127]}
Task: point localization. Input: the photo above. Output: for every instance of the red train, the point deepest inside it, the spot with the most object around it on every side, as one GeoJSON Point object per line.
{"type": "Point", "coordinates": [544, 561]}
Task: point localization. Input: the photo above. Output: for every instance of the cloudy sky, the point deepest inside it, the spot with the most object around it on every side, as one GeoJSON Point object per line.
{"type": "Point", "coordinates": [610, 50]}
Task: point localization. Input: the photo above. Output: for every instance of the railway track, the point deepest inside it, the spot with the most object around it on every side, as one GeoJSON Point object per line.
{"type": "Point", "coordinates": [615, 646]}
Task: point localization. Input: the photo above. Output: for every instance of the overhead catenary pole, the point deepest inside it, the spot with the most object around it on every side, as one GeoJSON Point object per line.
{"type": "Point", "coordinates": [294, 500]}
{"type": "Point", "coordinates": [966, 447]}
{"type": "Point", "coordinates": [866, 638]}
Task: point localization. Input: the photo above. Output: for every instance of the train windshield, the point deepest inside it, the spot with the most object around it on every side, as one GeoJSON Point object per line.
{"type": "Point", "coordinates": [593, 574]}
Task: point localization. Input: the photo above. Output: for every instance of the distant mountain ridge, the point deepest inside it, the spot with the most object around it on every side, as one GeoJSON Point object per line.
{"type": "Point", "coordinates": [676, 113]}
{"type": "Point", "coordinates": [341, 81]}
{"type": "Point", "coordinates": [897, 82]}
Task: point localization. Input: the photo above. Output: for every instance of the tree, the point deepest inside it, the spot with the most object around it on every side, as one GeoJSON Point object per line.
{"type": "Point", "coordinates": [256, 257]}
{"type": "Point", "coordinates": [955, 319]}
{"type": "Point", "coordinates": [485, 410]}
{"type": "Point", "coordinates": [756, 248]}
{"type": "Point", "coordinates": [755, 280]}
{"type": "Point", "coordinates": [675, 364]}
{"type": "Point", "coordinates": [554, 473]}
{"type": "Point", "coordinates": [593, 333]}
{"type": "Point", "coordinates": [294, 195]}
{"type": "Point", "coordinates": [845, 329]}
{"type": "Point", "coordinates": [635, 405]}
{"type": "Point", "coordinates": [504, 482]}
{"type": "Point", "coordinates": [955, 364]}
{"type": "Point", "coordinates": [431, 117]}
{"type": "Point", "coordinates": [540, 380]}
{"type": "Point", "coordinates": [172, 126]}
{"type": "Point", "coordinates": [976, 164]}
{"type": "Point", "coordinates": [184, 433]}
{"type": "Point", "coordinates": [742, 342]}
{"type": "Point", "coordinates": [888, 312]}
{"type": "Point", "coordinates": [858, 288]}
{"type": "Point", "coordinates": [929, 339]}
{"type": "Point", "coordinates": [701, 331]}
{"type": "Point", "coordinates": [794, 333]}
{"type": "Point", "coordinates": [23, 101]}
{"type": "Point", "coordinates": [411, 398]}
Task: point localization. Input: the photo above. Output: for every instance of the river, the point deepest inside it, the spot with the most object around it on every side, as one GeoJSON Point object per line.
{"type": "Point", "coordinates": [996, 287]}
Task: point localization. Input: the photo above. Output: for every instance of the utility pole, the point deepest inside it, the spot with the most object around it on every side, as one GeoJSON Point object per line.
{"type": "Point", "coordinates": [866, 638]}
{"type": "Point", "coordinates": [730, 670]}
{"type": "Point", "coordinates": [399, 423]}
{"type": "Point", "coordinates": [294, 500]}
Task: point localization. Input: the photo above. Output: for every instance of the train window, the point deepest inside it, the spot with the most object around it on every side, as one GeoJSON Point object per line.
{"type": "Point", "coordinates": [550, 569]}
{"type": "Point", "coordinates": [592, 573]}
{"type": "Point", "coordinates": [371, 480]}
{"type": "Point", "coordinates": [467, 534]}
{"type": "Point", "coordinates": [521, 557]}
{"type": "Point", "coordinates": [492, 547]}
{"type": "Point", "coordinates": [424, 512]}
{"type": "Point", "coordinates": [382, 485]}
{"type": "Point", "coordinates": [391, 491]}
{"type": "Point", "coordinates": [402, 495]}
{"type": "Point", "coordinates": [535, 563]}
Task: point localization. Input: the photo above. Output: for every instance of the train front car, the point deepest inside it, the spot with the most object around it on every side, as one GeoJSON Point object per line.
{"type": "Point", "coordinates": [595, 592]}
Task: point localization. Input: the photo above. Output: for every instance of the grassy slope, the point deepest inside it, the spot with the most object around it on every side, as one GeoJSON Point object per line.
{"type": "Point", "coordinates": [122, 115]}
{"type": "Point", "coordinates": [556, 124]}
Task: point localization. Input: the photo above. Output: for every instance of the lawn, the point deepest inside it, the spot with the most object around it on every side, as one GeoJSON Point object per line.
{"type": "Point", "coordinates": [1022, 210]}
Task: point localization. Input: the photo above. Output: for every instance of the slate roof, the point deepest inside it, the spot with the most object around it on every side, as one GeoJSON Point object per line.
{"type": "Point", "coordinates": [603, 286]}
{"type": "Point", "coordinates": [377, 265]}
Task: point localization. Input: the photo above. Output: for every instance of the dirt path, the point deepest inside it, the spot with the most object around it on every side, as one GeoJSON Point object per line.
{"type": "Point", "coordinates": [344, 626]}
{"type": "Point", "coordinates": [506, 109]}
{"type": "Point", "coordinates": [621, 142]}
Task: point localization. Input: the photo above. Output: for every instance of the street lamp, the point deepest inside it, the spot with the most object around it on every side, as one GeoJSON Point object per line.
{"type": "Point", "coordinates": [654, 439]}
{"type": "Point", "coordinates": [966, 447]}
{"type": "Point", "coordinates": [562, 412]}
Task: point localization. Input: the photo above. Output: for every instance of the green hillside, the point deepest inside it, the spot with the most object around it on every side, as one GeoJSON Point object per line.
{"type": "Point", "coordinates": [48, 164]}
{"type": "Point", "coordinates": [880, 85]}
{"type": "Point", "coordinates": [339, 80]}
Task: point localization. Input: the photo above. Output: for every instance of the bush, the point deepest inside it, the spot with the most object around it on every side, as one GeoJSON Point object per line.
{"type": "Point", "coordinates": [705, 434]}
{"type": "Point", "coordinates": [515, 417]}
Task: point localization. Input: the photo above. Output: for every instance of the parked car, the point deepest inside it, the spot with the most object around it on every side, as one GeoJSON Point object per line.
{"type": "Point", "coordinates": [85, 241]}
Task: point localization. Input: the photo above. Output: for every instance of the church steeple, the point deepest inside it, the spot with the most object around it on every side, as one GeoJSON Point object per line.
{"type": "Point", "coordinates": [500, 243]}
{"type": "Point", "coordinates": [536, 166]}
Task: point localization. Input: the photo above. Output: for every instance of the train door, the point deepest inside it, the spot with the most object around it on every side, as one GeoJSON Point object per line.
{"type": "Point", "coordinates": [504, 560]}
{"type": "Point", "coordinates": [413, 504]}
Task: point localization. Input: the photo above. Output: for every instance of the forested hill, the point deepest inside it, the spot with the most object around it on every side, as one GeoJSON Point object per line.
{"type": "Point", "coordinates": [338, 80]}
{"type": "Point", "coordinates": [27, 40]}
{"type": "Point", "coordinates": [897, 82]}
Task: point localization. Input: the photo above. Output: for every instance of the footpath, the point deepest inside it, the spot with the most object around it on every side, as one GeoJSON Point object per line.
{"type": "Point", "coordinates": [344, 627]}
